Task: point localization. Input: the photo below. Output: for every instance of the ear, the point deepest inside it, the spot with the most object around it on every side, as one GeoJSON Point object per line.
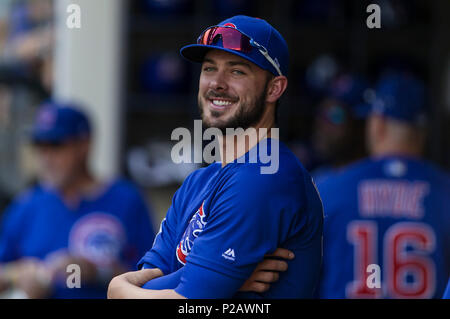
{"type": "Point", "coordinates": [276, 88]}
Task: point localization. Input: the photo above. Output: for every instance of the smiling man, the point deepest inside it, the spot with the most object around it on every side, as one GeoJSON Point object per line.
{"type": "Point", "coordinates": [228, 217]}
{"type": "Point", "coordinates": [235, 98]}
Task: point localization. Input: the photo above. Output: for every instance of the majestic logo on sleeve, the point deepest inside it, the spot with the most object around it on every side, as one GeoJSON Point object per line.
{"type": "Point", "coordinates": [195, 227]}
{"type": "Point", "coordinates": [229, 254]}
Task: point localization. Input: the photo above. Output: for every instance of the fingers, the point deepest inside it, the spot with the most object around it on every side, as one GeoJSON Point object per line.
{"type": "Point", "coordinates": [272, 265]}
{"type": "Point", "coordinates": [259, 287]}
{"type": "Point", "coordinates": [267, 271]}
{"type": "Point", "coordinates": [282, 253]}
{"type": "Point", "coordinates": [267, 277]}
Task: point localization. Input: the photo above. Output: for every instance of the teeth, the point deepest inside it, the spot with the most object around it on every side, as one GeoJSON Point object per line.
{"type": "Point", "coordinates": [221, 102]}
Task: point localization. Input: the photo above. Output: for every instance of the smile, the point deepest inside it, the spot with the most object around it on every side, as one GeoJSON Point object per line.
{"type": "Point", "coordinates": [220, 103]}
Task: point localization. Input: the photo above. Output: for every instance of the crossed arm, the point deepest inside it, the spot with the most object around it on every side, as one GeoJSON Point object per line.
{"type": "Point", "coordinates": [128, 285]}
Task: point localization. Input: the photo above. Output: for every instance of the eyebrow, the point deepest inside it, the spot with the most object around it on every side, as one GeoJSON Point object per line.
{"type": "Point", "coordinates": [231, 63]}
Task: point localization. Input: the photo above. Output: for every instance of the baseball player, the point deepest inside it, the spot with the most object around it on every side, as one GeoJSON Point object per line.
{"type": "Point", "coordinates": [226, 217]}
{"type": "Point", "coordinates": [386, 227]}
{"type": "Point", "coordinates": [70, 218]}
{"type": "Point", "coordinates": [338, 131]}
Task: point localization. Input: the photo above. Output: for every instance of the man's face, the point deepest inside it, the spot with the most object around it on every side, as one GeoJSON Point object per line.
{"type": "Point", "coordinates": [58, 164]}
{"type": "Point", "coordinates": [232, 91]}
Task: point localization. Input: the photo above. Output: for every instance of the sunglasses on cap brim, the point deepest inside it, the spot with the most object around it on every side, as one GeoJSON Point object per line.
{"type": "Point", "coordinates": [234, 39]}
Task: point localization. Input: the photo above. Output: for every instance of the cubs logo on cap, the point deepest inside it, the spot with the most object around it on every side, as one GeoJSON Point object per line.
{"type": "Point", "coordinates": [46, 119]}
{"type": "Point", "coordinates": [229, 25]}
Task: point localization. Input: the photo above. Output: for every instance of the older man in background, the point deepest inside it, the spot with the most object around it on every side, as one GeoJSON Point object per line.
{"type": "Point", "coordinates": [70, 217]}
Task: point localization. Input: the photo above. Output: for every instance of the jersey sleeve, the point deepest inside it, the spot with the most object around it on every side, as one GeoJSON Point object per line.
{"type": "Point", "coordinates": [164, 246]}
{"type": "Point", "coordinates": [169, 281]}
{"type": "Point", "coordinates": [11, 228]}
{"type": "Point", "coordinates": [244, 224]}
{"type": "Point", "coordinates": [447, 291]}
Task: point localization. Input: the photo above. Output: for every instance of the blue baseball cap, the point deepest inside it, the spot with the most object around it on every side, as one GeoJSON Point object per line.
{"type": "Point", "coordinates": [351, 89]}
{"type": "Point", "coordinates": [57, 123]}
{"type": "Point", "coordinates": [257, 29]}
{"type": "Point", "coordinates": [401, 96]}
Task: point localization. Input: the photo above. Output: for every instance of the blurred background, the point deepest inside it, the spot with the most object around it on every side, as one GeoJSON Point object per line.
{"type": "Point", "coordinates": [123, 66]}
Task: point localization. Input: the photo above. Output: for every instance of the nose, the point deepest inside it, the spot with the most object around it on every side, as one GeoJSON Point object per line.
{"type": "Point", "coordinates": [218, 82]}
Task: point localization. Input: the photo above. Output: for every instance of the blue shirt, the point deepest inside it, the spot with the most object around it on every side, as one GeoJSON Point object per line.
{"type": "Point", "coordinates": [447, 291]}
{"type": "Point", "coordinates": [222, 222]}
{"type": "Point", "coordinates": [392, 212]}
{"type": "Point", "coordinates": [113, 226]}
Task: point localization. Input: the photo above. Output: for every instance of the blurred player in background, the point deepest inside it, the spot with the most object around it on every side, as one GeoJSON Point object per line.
{"type": "Point", "coordinates": [226, 217]}
{"type": "Point", "coordinates": [391, 210]}
{"type": "Point", "coordinates": [70, 217]}
{"type": "Point", "coordinates": [338, 135]}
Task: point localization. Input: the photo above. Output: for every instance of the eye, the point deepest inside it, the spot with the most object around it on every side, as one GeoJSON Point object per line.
{"type": "Point", "coordinates": [237, 72]}
{"type": "Point", "coordinates": [208, 69]}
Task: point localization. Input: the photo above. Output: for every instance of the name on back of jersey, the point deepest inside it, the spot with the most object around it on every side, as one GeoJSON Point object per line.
{"type": "Point", "coordinates": [392, 198]}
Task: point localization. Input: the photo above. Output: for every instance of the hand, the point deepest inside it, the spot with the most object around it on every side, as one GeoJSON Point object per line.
{"type": "Point", "coordinates": [31, 276]}
{"type": "Point", "coordinates": [124, 286]}
{"type": "Point", "coordinates": [58, 261]}
{"type": "Point", "coordinates": [4, 284]}
{"type": "Point", "coordinates": [267, 271]}
{"type": "Point", "coordinates": [5, 276]}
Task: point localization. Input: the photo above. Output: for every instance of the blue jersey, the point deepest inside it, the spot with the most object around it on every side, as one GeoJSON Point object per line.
{"type": "Point", "coordinates": [391, 212]}
{"type": "Point", "coordinates": [111, 227]}
{"type": "Point", "coordinates": [222, 222]}
{"type": "Point", "coordinates": [447, 291]}
{"type": "Point", "coordinates": [323, 172]}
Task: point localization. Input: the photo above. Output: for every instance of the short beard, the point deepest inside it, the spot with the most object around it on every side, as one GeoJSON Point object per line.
{"type": "Point", "coordinates": [245, 116]}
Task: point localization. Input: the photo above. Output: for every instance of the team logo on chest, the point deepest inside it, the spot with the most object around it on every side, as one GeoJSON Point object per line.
{"type": "Point", "coordinates": [195, 227]}
{"type": "Point", "coordinates": [99, 237]}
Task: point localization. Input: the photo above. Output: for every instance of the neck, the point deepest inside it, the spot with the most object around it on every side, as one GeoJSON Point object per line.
{"type": "Point", "coordinates": [235, 145]}
{"type": "Point", "coordinates": [397, 149]}
{"type": "Point", "coordinates": [81, 184]}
